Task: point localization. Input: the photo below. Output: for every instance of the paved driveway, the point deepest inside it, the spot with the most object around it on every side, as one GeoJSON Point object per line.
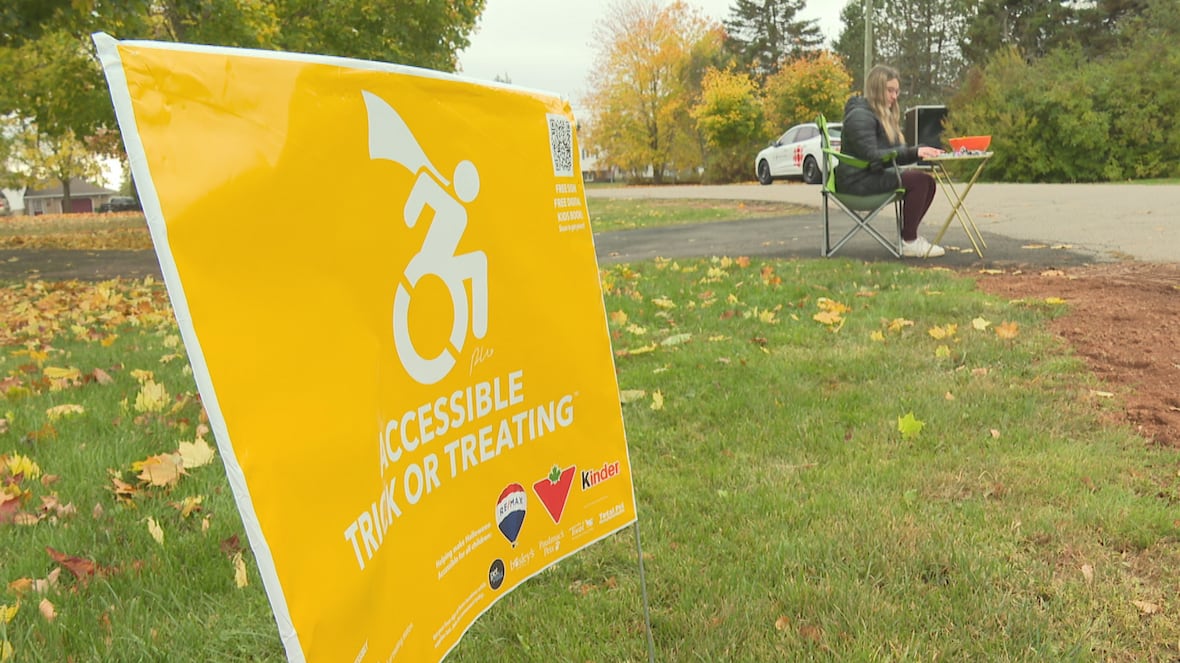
{"type": "Point", "coordinates": [1086, 222]}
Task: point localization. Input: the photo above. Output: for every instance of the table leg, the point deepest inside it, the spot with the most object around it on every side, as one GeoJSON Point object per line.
{"type": "Point", "coordinates": [958, 208]}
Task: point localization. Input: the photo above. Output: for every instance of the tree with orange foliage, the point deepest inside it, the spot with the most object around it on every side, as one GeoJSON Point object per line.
{"type": "Point", "coordinates": [642, 88]}
{"type": "Point", "coordinates": [805, 87]}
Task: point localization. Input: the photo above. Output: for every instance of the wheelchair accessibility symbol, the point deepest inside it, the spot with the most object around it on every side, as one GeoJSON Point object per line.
{"type": "Point", "coordinates": [392, 140]}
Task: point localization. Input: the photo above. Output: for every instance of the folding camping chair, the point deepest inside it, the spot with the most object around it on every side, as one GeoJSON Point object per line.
{"type": "Point", "coordinates": [862, 209]}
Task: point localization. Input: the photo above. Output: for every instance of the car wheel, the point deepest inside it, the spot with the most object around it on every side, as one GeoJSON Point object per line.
{"type": "Point", "coordinates": [764, 173]}
{"type": "Point", "coordinates": [811, 174]}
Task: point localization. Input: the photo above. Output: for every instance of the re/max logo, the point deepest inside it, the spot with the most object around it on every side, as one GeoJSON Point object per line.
{"type": "Point", "coordinates": [591, 478]}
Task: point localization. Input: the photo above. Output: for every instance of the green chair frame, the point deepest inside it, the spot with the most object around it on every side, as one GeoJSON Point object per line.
{"type": "Point", "coordinates": [863, 209]}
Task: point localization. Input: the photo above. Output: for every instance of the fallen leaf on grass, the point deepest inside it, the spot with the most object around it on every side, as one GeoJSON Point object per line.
{"type": "Point", "coordinates": [782, 623]}
{"type": "Point", "coordinates": [151, 398]}
{"type": "Point", "coordinates": [241, 579]}
{"type": "Point", "coordinates": [664, 303]}
{"type": "Point", "coordinates": [20, 467]}
{"type": "Point", "coordinates": [657, 400]}
{"type": "Point", "coordinates": [631, 395]}
{"type": "Point", "coordinates": [1146, 607]}
{"type": "Point", "coordinates": [940, 332]}
{"type": "Point", "coordinates": [627, 352]}
{"type": "Point", "coordinates": [676, 339]}
{"type": "Point", "coordinates": [1088, 573]}
{"type": "Point", "coordinates": [980, 324]}
{"type": "Point", "coordinates": [230, 546]}
{"type": "Point", "coordinates": [160, 470]}
{"type": "Point", "coordinates": [189, 505]}
{"type": "Point", "coordinates": [909, 426]}
{"type": "Point", "coordinates": [196, 453]}
{"type": "Point", "coordinates": [58, 411]}
{"type": "Point", "coordinates": [1008, 330]}
{"type": "Point", "coordinates": [47, 610]}
{"type": "Point", "coordinates": [122, 489]}
{"type": "Point", "coordinates": [155, 530]}
{"type": "Point", "coordinates": [83, 569]}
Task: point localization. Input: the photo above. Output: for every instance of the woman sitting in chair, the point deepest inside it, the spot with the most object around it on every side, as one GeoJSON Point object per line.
{"type": "Point", "coordinates": [872, 131]}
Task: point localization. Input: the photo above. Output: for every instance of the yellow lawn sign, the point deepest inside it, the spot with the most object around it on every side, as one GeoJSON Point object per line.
{"type": "Point", "coordinates": [386, 283]}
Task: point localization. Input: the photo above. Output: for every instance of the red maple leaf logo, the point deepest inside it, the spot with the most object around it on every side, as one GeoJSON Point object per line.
{"type": "Point", "coordinates": [554, 490]}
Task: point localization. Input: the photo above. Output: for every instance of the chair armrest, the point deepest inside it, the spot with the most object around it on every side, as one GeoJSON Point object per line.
{"type": "Point", "coordinates": [855, 162]}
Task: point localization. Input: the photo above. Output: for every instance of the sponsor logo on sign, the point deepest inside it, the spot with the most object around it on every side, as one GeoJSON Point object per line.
{"type": "Point", "coordinates": [554, 490]}
{"type": "Point", "coordinates": [591, 478]}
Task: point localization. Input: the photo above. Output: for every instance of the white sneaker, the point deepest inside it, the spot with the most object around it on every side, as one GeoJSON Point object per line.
{"type": "Point", "coordinates": [921, 248]}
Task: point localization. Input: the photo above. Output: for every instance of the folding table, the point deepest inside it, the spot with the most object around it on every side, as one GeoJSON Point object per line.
{"type": "Point", "coordinates": [938, 166]}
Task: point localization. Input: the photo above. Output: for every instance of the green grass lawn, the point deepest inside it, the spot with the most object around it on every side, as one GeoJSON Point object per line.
{"type": "Point", "coordinates": [608, 214]}
{"type": "Point", "coordinates": [833, 461]}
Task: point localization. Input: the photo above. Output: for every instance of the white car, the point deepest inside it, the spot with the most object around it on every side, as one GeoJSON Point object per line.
{"type": "Point", "coordinates": [796, 154]}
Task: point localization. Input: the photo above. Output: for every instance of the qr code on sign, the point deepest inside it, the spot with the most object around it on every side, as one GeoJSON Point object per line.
{"type": "Point", "coordinates": [561, 145]}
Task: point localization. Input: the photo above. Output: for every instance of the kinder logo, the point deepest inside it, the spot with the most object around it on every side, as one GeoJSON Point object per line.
{"type": "Point", "coordinates": [591, 478]}
{"type": "Point", "coordinates": [392, 140]}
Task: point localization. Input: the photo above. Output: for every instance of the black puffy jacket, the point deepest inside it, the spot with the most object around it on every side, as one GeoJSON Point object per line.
{"type": "Point", "coordinates": [863, 136]}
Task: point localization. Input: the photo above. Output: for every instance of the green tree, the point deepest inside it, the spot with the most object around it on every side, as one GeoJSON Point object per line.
{"type": "Point", "coordinates": [920, 38]}
{"type": "Point", "coordinates": [422, 33]}
{"type": "Point", "coordinates": [44, 159]}
{"type": "Point", "coordinates": [729, 118]}
{"type": "Point", "coordinates": [762, 34]}
{"type": "Point", "coordinates": [641, 87]}
{"type": "Point", "coordinates": [1069, 116]}
{"type": "Point", "coordinates": [804, 88]}
{"type": "Point", "coordinates": [1034, 27]}
{"type": "Point", "coordinates": [52, 79]}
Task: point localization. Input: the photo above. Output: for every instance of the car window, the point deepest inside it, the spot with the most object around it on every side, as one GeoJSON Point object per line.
{"type": "Point", "coordinates": [789, 137]}
{"type": "Point", "coordinates": [806, 133]}
{"type": "Point", "coordinates": [834, 132]}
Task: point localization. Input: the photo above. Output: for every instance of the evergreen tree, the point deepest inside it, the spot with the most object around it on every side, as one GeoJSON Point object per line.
{"type": "Point", "coordinates": [761, 34]}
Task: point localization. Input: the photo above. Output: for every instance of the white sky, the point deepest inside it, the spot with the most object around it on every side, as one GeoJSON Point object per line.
{"type": "Point", "coordinates": [546, 44]}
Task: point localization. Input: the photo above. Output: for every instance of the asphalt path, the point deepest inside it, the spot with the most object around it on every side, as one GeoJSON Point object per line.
{"type": "Point", "coordinates": [1022, 224]}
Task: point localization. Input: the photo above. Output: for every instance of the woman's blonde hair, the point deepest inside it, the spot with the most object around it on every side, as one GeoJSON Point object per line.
{"type": "Point", "coordinates": [888, 112]}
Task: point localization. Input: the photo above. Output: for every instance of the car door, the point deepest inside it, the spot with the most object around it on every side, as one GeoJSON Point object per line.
{"type": "Point", "coordinates": [780, 156]}
{"type": "Point", "coordinates": [807, 143]}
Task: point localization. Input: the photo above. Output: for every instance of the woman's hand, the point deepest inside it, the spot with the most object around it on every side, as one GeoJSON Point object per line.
{"type": "Point", "coordinates": [929, 152]}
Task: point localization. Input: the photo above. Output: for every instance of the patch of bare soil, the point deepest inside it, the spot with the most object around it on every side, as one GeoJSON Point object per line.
{"type": "Point", "coordinates": [1124, 319]}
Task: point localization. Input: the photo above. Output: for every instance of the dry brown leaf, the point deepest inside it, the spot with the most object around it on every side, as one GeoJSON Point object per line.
{"type": "Point", "coordinates": [782, 623]}
{"type": "Point", "coordinates": [47, 610]}
{"type": "Point", "coordinates": [21, 586]}
{"type": "Point", "coordinates": [1088, 573]}
{"type": "Point", "coordinates": [241, 579]}
{"type": "Point", "coordinates": [155, 530]}
{"type": "Point", "coordinates": [160, 470]}
{"type": "Point", "coordinates": [1146, 607]}
{"type": "Point", "coordinates": [1007, 330]}
{"type": "Point", "coordinates": [83, 569]}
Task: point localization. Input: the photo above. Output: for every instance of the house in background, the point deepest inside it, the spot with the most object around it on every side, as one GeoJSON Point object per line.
{"type": "Point", "coordinates": [84, 197]}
